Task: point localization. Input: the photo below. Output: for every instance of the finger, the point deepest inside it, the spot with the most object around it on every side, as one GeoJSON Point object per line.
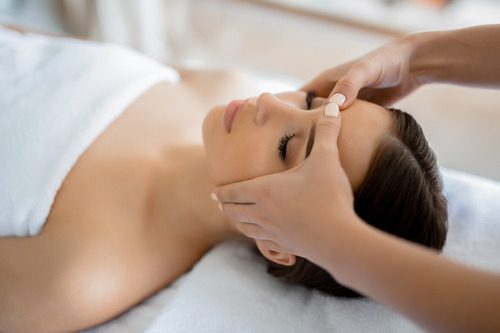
{"type": "Point", "coordinates": [244, 192]}
{"type": "Point", "coordinates": [349, 85]}
{"type": "Point", "coordinates": [254, 231]}
{"type": "Point", "coordinates": [327, 133]}
{"type": "Point", "coordinates": [323, 84]}
{"type": "Point", "coordinates": [247, 213]}
{"type": "Point", "coordinates": [367, 94]}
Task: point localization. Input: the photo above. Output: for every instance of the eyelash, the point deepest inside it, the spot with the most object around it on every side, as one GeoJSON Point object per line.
{"type": "Point", "coordinates": [283, 143]}
{"type": "Point", "coordinates": [285, 138]}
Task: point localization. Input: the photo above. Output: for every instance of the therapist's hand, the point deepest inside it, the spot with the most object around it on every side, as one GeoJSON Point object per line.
{"type": "Point", "coordinates": [293, 211]}
{"type": "Point", "coordinates": [382, 76]}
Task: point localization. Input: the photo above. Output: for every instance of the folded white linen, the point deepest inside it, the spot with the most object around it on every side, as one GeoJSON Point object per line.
{"type": "Point", "coordinates": [230, 291]}
{"type": "Point", "coordinates": [57, 96]}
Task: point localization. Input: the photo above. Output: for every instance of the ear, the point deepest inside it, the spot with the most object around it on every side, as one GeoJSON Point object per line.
{"type": "Point", "coordinates": [281, 258]}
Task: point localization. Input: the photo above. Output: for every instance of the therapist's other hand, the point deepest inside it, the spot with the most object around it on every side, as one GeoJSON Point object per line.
{"type": "Point", "coordinates": [291, 212]}
{"type": "Point", "coordinates": [382, 76]}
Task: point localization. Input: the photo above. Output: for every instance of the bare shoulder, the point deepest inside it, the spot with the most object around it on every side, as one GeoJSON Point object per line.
{"type": "Point", "coordinates": [102, 273]}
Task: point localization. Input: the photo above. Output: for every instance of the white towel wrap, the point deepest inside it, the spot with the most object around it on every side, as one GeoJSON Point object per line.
{"type": "Point", "coordinates": [57, 96]}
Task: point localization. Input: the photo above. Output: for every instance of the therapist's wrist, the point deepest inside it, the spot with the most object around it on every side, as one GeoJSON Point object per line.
{"type": "Point", "coordinates": [336, 241]}
{"type": "Point", "coordinates": [428, 63]}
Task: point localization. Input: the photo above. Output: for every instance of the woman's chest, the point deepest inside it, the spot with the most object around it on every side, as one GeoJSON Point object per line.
{"type": "Point", "coordinates": [110, 183]}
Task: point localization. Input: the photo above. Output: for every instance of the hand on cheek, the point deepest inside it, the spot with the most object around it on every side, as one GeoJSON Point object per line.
{"type": "Point", "coordinates": [294, 210]}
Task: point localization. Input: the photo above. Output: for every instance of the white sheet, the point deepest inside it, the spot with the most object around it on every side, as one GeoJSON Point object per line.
{"type": "Point", "coordinates": [229, 290]}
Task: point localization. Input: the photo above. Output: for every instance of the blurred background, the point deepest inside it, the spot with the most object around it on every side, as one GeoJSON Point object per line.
{"type": "Point", "coordinates": [293, 40]}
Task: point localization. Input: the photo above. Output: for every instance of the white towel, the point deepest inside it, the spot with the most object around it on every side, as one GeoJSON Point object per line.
{"type": "Point", "coordinates": [230, 291]}
{"type": "Point", "coordinates": [56, 96]}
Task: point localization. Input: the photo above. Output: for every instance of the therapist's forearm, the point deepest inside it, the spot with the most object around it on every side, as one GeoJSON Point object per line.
{"type": "Point", "coordinates": [469, 56]}
{"type": "Point", "coordinates": [433, 291]}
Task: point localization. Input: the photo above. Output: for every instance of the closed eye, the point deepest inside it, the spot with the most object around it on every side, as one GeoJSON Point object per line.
{"type": "Point", "coordinates": [283, 143]}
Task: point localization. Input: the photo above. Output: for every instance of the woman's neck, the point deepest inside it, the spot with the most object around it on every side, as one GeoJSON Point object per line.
{"type": "Point", "coordinates": [181, 198]}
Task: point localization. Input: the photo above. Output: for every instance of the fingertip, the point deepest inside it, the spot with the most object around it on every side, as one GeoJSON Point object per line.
{"type": "Point", "coordinates": [346, 91]}
{"type": "Point", "coordinates": [220, 194]}
{"type": "Point", "coordinates": [342, 98]}
{"type": "Point", "coordinates": [337, 98]}
{"type": "Point", "coordinates": [332, 110]}
{"type": "Point", "coordinates": [239, 192]}
{"type": "Point", "coordinates": [346, 99]}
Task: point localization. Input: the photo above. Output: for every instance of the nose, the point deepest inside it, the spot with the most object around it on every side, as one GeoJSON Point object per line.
{"type": "Point", "coordinates": [268, 106]}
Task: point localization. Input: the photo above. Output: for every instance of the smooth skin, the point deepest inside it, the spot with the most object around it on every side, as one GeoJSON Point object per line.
{"type": "Point", "coordinates": [433, 291]}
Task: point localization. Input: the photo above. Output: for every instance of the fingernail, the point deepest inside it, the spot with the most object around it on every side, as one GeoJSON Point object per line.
{"type": "Point", "coordinates": [214, 197]}
{"type": "Point", "coordinates": [219, 205]}
{"type": "Point", "coordinates": [332, 110]}
{"type": "Point", "coordinates": [338, 99]}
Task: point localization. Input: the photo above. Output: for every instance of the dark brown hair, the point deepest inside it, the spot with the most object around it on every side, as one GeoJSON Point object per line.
{"type": "Point", "coordinates": [401, 194]}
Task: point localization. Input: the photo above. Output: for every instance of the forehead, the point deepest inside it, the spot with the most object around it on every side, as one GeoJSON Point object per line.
{"type": "Point", "coordinates": [364, 125]}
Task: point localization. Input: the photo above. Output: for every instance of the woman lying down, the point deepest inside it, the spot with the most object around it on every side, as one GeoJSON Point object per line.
{"type": "Point", "coordinates": [105, 188]}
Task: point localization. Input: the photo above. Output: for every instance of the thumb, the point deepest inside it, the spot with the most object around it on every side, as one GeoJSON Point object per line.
{"type": "Point", "coordinates": [347, 88]}
{"type": "Point", "coordinates": [244, 192]}
{"type": "Point", "coordinates": [323, 84]}
{"type": "Point", "coordinates": [327, 134]}
{"type": "Point", "coordinates": [320, 85]}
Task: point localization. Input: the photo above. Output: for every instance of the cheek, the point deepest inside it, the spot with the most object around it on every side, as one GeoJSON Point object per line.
{"type": "Point", "coordinates": [238, 160]}
{"type": "Point", "coordinates": [246, 153]}
{"type": "Point", "coordinates": [241, 156]}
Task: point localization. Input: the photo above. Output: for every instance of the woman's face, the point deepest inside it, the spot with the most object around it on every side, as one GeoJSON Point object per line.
{"type": "Point", "coordinates": [273, 133]}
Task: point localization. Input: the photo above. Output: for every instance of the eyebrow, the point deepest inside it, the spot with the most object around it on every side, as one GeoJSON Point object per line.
{"type": "Point", "coordinates": [310, 140]}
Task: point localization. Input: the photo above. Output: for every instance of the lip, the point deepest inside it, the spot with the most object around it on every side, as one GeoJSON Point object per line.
{"type": "Point", "coordinates": [230, 113]}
